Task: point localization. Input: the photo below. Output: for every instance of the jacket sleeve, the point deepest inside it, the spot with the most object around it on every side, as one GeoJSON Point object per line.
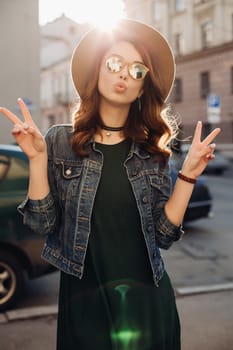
{"type": "Point", "coordinates": [42, 216]}
{"type": "Point", "coordinates": [165, 231]}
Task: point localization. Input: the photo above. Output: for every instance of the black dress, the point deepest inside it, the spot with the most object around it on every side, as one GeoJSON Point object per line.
{"type": "Point", "coordinates": [116, 306]}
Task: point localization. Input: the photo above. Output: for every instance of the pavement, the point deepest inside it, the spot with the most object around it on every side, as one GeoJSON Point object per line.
{"type": "Point", "coordinates": [206, 315]}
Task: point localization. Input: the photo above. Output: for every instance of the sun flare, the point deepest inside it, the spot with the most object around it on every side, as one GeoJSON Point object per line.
{"type": "Point", "coordinates": [101, 13]}
{"type": "Point", "coordinates": [105, 13]}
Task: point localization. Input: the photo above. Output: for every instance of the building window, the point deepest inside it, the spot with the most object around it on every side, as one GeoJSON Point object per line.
{"type": "Point", "coordinates": [206, 34]}
{"type": "Point", "coordinates": [156, 10]}
{"type": "Point", "coordinates": [178, 90]}
{"type": "Point", "coordinates": [179, 5]}
{"type": "Point", "coordinates": [179, 44]}
{"type": "Point", "coordinates": [200, 1]}
{"type": "Point", "coordinates": [204, 84]}
{"type": "Point", "coordinates": [51, 119]}
{"type": "Point", "coordinates": [72, 30]}
{"type": "Point", "coordinates": [232, 79]}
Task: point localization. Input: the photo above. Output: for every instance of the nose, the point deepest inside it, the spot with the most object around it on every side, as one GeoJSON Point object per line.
{"type": "Point", "coordinates": [124, 77]}
{"type": "Point", "coordinates": [124, 73]}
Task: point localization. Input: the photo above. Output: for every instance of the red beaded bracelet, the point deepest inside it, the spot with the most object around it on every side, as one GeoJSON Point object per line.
{"type": "Point", "coordinates": [185, 178]}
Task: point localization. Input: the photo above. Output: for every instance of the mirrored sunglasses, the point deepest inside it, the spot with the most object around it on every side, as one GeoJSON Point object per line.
{"type": "Point", "coordinates": [136, 70]}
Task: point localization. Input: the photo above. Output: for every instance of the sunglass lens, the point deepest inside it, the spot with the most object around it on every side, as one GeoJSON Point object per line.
{"type": "Point", "coordinates": [114, 64]}
{"type": "Point", "coordinates": [138, 71]}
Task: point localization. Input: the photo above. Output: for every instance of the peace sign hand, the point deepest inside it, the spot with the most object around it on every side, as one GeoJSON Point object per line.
{"type": "Point", "coordinates": [200, 152]}
{"type": "Point", "coordinates": [26, 133]}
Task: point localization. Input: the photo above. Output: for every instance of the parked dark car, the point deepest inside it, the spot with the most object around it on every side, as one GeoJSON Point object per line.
{"type": "Point", "coordinates": [20, 248]}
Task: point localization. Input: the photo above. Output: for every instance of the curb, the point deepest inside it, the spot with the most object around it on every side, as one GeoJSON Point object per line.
{"type": "Point", "coordinates": [52, 310]}
{"type": "Point", "coordinates": [186, 291]}
{"type": "Point", "coordinates": [28, 313]}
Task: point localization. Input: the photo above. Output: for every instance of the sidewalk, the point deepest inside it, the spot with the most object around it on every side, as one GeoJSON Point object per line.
{"type": "Point", "coordinates": [206, 321]}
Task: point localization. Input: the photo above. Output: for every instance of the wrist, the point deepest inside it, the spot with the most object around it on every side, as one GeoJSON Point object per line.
{"type": "Point", "coordinates": [41, 157]}
{"type": "Point", "coordinates": [186, 172]}
{"type": "Point", "coordinates": [183, 177]}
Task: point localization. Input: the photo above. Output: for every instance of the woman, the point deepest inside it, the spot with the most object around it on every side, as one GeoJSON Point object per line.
{"type": "Point", "coordinates": [100, 190]}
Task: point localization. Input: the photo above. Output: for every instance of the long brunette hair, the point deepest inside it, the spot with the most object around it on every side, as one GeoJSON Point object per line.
{"type": "Point", "coordinates": [150, 126]}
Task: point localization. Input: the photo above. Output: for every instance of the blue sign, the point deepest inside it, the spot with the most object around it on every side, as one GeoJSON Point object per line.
{"type": "Point", "coordinates": [213, 108]}
{"type": "Point", "coordinates": [213, 101]}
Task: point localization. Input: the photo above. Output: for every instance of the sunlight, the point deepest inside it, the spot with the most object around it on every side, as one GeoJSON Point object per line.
{"type": "Point", "coordinates": [101, 13]}
{"type": "Point", "coordinates": [104, 13]}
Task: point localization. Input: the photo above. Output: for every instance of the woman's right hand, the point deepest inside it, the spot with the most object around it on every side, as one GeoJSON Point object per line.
{"type": "Point", "coordinates": [26, 133]}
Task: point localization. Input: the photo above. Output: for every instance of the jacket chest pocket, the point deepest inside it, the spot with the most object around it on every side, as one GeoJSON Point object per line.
{"type": "Point", "coordinates": [68, 176]}
{"type": "Point", "coordinates": [157, 187]}
{"type": "Point", "coordinates": [156, 181]}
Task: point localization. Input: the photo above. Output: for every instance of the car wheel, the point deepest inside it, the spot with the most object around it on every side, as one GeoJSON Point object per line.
{"type": "Point", "coordinates": [11, 280]}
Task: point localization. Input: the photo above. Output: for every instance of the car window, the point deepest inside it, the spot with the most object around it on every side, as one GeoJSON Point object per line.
{"type": "Point", "coordinates": [13, 186]}
{"type": "Point", "coordinates": [4, 166]}
{"type": "Point", "coordinates": [13, 174]}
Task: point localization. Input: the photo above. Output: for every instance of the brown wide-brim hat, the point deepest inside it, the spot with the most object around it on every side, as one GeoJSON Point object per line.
{"type": "Point", "coordinates": [85, 54]}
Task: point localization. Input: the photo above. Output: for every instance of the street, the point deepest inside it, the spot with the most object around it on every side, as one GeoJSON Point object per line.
{"type": "Point", "coordinates": [202, 258]}
{"type": "Point", "coordinates": [204, 255]}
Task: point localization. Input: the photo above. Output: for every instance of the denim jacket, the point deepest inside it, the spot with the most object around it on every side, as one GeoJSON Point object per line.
{"type": "Point", "coordinates": [64, 215]}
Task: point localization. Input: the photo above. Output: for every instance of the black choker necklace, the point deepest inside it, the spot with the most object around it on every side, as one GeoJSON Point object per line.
{"type": "Point", "coordinates": [111, 128]}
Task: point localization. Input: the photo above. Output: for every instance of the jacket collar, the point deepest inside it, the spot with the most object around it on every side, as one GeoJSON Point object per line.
{"type": "Point", "coordinates": [135, 149]}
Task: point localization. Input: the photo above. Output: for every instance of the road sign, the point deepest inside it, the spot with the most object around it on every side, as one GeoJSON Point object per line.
{"type": "Point", "coordinates": [213, 108]}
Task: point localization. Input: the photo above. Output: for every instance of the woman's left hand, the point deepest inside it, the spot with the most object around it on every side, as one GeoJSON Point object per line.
{"type": "Point", "coordinates": [200, 153]}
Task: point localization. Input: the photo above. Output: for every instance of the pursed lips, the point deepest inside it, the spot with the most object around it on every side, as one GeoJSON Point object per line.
{"type": "Point", "coordinates": [120, 86]}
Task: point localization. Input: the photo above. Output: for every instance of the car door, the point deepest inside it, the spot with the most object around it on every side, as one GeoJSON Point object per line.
{"type": "Point", "coordinates": [13, 189]}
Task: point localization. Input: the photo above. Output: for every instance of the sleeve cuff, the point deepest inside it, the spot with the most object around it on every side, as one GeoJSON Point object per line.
{"type": "Point", "coordinates": [36, 205]}
{"type": "Point", "coordinates": [166, 227]}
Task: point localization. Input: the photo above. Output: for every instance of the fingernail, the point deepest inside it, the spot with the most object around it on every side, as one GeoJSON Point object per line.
{"type": "Point", "coordinates": [26, 127]}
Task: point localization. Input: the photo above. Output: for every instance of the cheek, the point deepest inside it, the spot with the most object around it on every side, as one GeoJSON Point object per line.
{"type": "Point", "coordinates": [137, 89]}
{"type": "Point", "coordinates": [141, 88]}
{"type": "Point", "coordinates": [103, 81]}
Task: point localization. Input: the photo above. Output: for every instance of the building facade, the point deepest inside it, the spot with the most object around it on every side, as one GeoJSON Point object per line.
{"type": "Point", "coordinates": [201, 35]}
{"type": "Point", "coordinates": [58, 40]}
{"type": "Point", "coordinates": [35, 61]}
{"type": "Point", "coordinates": [19, 60]}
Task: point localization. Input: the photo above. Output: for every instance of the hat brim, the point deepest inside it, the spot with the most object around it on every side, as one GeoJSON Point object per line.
{"type": "Point", "coordinates": [84, 55]}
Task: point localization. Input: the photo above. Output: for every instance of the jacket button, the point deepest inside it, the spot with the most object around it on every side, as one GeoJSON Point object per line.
{"type": "Point", "coordinates": [68, 171]}
{"type": "Point", "coordinates": [149, 228]}
{"type": "Point", "coordinates": [144, 199]}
